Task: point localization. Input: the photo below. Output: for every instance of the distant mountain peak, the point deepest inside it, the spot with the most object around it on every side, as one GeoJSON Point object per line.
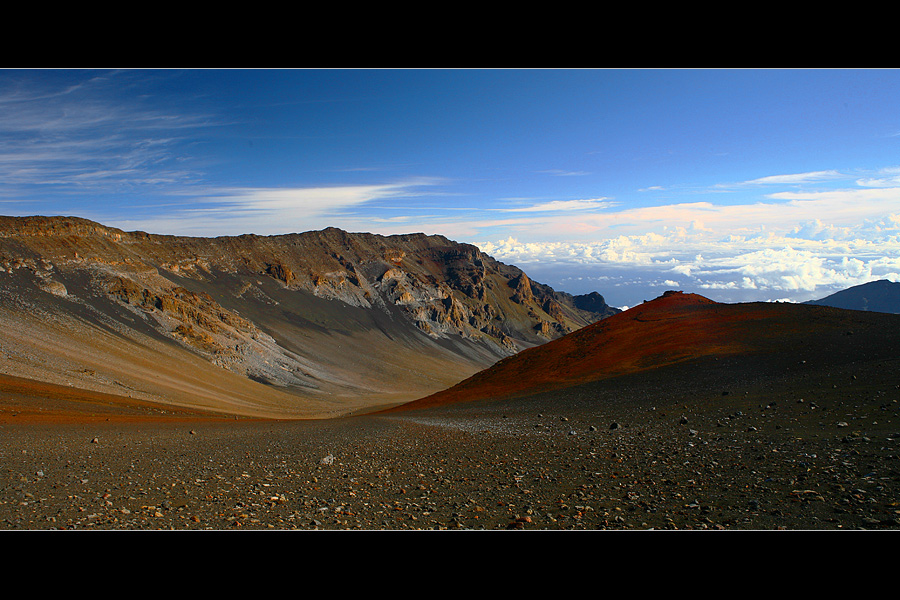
{"type": "Point", "coordinates": [877, 296]}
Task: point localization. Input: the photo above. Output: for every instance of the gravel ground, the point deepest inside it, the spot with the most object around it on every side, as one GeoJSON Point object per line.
{"type": "Point", "coordinates": [669, 450]}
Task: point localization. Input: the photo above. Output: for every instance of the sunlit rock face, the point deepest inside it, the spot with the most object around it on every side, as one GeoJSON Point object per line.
{"type": "Point", "coordinates": [321, 314]}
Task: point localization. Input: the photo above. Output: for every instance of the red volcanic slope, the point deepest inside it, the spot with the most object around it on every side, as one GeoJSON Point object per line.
{"type": "Point", "coordinates": [25, 401]}
{"type": "Point", "coordinates": [672, 328]}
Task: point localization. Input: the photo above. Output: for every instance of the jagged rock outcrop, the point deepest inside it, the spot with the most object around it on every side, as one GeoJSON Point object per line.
{"type": "Point", "coordinates": [281, 273]}
{"type": "Point", "coordinates": [521, 286]}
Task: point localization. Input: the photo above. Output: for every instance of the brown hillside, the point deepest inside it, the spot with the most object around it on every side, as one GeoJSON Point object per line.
{"type": "Point", "coordinates": [304, 325]}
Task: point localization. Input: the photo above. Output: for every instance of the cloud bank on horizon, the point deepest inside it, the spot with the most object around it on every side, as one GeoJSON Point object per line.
{"type": "Point", "coordinates": [739, 185]}
{"type": "Point", "coordinates": [805, 246]}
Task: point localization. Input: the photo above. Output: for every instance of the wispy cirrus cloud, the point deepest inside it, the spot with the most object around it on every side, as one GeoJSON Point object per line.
{"type": "Point", "coordinates": [563, 206]}
{"type": "Point", "coordinates": [842, 206]}
{"type": "Point", "coordinates": [888, 177]}
{"type": "Point", "coordinates": [783, 213]}
{"type": "Point", "coordinates": [270, 211]}
{"type": "Point", "coordinates": [795, 178]}
{"type": "Point", "coordinates": [564, 173]}
{"type": "Point", "coordinates": [83, 136]}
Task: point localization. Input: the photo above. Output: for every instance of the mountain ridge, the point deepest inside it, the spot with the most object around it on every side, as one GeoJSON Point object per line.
{"type": "Point", "coordinates": [341, 320]}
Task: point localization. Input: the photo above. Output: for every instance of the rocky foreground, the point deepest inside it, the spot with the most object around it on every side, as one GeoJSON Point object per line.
{"type": "Point", "coordinates": [716, 444]}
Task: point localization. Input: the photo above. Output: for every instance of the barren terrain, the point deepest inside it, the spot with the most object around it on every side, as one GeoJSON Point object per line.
{"type": "Point", "coordinates": [794, 427]}
{"type": "Point", "coordinates": [310, 325]}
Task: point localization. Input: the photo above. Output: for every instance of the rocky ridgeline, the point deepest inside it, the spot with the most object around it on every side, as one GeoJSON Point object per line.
{"type": "Point", "coordinates": [443, 288]}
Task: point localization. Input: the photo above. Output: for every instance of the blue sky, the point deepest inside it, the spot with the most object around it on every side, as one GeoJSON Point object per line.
{"type": "Point", "coordinates": [740, 185]}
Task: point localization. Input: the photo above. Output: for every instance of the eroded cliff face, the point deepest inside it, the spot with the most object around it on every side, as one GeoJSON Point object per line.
{"type": "Point", "coordinates": [319, 310]}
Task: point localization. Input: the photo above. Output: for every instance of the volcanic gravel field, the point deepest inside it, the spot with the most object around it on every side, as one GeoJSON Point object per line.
{"type": "Point", "coordinates": [716, 444]}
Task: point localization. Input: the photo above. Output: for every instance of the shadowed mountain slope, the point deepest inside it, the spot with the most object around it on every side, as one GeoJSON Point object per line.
{"type": "Point", "coordinates": [878, 296]}
{"type": "Point", "coordinates": [312, 324]}
{"type": "Point", "coordinates": [679, 328]}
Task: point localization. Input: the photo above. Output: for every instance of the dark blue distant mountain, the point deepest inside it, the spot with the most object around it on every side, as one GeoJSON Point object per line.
{"type": "Point", "coordinates": [876, 296]}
